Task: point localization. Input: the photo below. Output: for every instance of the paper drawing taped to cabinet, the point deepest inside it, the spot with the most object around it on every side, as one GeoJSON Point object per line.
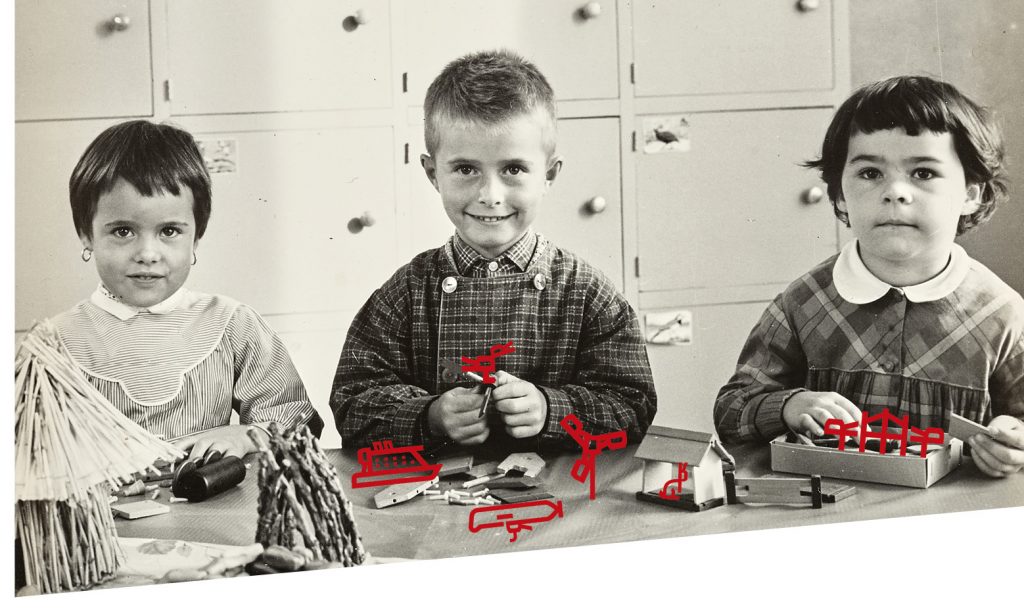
{"type": "Point", "coordinates": [664, 134]}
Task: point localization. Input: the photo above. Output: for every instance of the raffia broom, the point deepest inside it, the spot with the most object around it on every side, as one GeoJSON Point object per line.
{"type": "Point", "coordinates": [71, 446]}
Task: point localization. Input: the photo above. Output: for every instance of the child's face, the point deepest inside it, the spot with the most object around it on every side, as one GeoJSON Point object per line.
{"type": "Point", "coordinates": [493, 178]}
{"type": "Point", "coordinates": [142, 245]}
{"type": "Point", "coordinates": [905, 195]}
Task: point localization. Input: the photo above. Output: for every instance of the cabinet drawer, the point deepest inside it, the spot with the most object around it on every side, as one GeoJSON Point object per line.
{"type": "Point", "coordinates": [73, 60]}
{"type": "Point", "coordinates": [730, 211]}
{"type": "Point", "coordinates": [283, 236]}
{"type": "Point", "coordinates": [590, 148]}
{"type": "Point", "coordinates": [578, 55]}
{"type": "Point", "coordinates": [691, 47]}
{"type": "Point", "coordinates": [230, 56]}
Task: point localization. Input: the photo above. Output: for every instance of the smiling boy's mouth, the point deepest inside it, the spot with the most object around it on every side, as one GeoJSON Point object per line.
{"type": "Point", "coordinates": [145, 276]}
{"type": "Point", "coordinates": [490, 219]}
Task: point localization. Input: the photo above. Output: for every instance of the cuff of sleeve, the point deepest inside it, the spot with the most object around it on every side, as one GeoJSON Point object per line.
{"type": "Point", "coordinates": [409, 425]}
{"type": "Point", "coordinates": [768, 420]}
{"type": "Point", "coordinates": [559, 405]}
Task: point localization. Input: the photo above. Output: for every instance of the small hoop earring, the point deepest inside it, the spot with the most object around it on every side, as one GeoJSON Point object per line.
{"type": "Point", "coordinates": [194, 259]}
{"type": "Point", "coordinates": [86, 255]}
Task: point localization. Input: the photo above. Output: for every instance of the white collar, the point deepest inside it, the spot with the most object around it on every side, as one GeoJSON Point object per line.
{"type": "Point", "coordinates": [111, 304]}
{"type": "Point", "coordinates": [858, 285]}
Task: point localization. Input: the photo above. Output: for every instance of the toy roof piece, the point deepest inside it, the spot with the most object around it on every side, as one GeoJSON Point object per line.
{"type": "Point", "coordinates": [664, 444]}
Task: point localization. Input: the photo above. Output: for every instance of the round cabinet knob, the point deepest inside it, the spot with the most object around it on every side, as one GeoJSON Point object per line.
{"type": "Point", "coordinates": [120, 22]}
{"type": "Point", "coordinates": [361, 17]}
{"type": "Point", "coordinates": [591, 10]}
{"type": "Point", "coordinates": [808, 5]}
{"type": "Point", "coordinates": [367, 219]}
{"type": "Point", "coordinates": [813, 195]}
{"type": "Point", "coordinates": [597, 205]}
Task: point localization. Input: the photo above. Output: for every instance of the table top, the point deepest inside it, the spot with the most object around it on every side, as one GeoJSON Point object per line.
{"type": "Point", "coordinates": [422, 529]}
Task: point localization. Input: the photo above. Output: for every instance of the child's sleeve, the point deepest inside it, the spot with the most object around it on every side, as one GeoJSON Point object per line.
{"type": "Point", "coordinates": [267, 388]}
{"type": "Point", "coordinates": [771, 368]}
{"type": "Point", "coordinates": [374, 396]}
{"type": "Point", "coordinates": [612, 387]}
{"type": "Point", "coordinates": [1006, 385]}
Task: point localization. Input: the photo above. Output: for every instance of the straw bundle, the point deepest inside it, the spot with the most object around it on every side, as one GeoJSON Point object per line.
{"type": "Point", "coordinates": [71, 444]}
{"type": "Point", "coordinates": [302, 503]}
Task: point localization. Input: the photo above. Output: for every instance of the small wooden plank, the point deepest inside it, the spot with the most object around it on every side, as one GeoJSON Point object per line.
{"type": "Point", "coordinates": [963, 428]}
{"type": "Point", "coordinates": [396, 494]}
{"type": "Point", "coordinates": [774, 499]}
{"type": "Point", "coordinates": [511, 496]}
{"type": "Point", "coordinates": [137, 510]}
{"type": "Point", "coordinates": [772, 485]}
{"type": "Point", "coordinates": [455, 465]}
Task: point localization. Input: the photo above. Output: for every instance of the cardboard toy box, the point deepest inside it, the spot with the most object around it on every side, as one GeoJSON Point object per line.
{"type": "Point", "coordinates": [891, 469]}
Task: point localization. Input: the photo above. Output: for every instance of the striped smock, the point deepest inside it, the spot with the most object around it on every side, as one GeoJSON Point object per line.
{"type": "Point", "coordinates": [183, 365]}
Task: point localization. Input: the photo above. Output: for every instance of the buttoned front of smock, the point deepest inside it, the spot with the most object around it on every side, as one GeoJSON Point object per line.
{"type": "Point", "coordinates": [575, 337]}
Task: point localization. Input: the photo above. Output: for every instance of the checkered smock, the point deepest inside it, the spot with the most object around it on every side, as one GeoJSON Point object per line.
{"type": "Point", "coordinates": [962, 354]}
{"type": "Point", "coordinates": [575, 337]}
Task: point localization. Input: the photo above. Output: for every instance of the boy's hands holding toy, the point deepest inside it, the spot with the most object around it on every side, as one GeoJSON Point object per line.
{"type": "Point", "coordinates": [522, 406]}
{"type": "Point", "coordinates": [224, 441]}
{"type": "Point", "coordinates": [1002, 453]}
{"type": "Point", "coordinates": [456, 415]}
{"type": "Point", "coordinates": [806, 412]}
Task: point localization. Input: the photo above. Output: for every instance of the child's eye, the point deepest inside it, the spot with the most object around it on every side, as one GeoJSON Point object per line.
{"type": "Point", "coordinates": [515, 170]}
{"type": "Point", "coordinates": [869, 173]}
{"type": "Point", "coordinates": [465, 170]}
{"type": "Point", "coordinates": [122, 232]}
{"type": "Point", "coordinates": [170, 231]}
{"type": "Point", "coordinates": [923, 173]}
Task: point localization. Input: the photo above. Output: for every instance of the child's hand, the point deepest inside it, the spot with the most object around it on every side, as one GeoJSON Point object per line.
{"type": "Point", "coordinates": [456, 414]}
{"type": "Point", "coordinates": [226, 440]}
{"type": "Point", "coordinates": [807, 412]}
{"type": "Point", "coordinates": [523, 407]}
{"type": "Point", "coordinates": [1003, 453]}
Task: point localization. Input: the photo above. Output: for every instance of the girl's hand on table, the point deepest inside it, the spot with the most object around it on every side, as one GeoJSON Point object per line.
{"type": "Point", "coordinates": [523, 407]}
{"type": "Point", "coordinates": [225, 440]}
{"type": "Point", "coordinates": [807, 411]}
{"type": "Point", "coordinates": [1003, 452]}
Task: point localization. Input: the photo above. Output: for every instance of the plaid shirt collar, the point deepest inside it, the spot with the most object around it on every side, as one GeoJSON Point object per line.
{"type": "Point", "coordinates": [519, 255]}
{"type": "Point", "coordinates": [855, 282]}
{"type": "Point", "coordinates": [112, 304]}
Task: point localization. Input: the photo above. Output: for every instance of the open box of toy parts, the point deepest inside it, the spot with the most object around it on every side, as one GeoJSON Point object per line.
{"type": "Point", "coordinates": [897, 463]}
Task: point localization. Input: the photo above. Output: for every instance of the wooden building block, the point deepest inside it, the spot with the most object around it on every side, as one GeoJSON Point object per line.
{"type": "Point", "coordinates": [963, 428]}
{"type": "Point", "coordinates": [137, 510]}
{"type": "Point", "coordinates": [396, 494]}
{"type": "Point", "coordinates": [455, 465]}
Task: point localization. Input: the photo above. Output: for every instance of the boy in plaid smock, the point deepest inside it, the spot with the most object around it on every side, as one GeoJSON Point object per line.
{"type": "Point", "coordinates": [490, 135]}
{"type": "Point", "coordinates": [902, 318]}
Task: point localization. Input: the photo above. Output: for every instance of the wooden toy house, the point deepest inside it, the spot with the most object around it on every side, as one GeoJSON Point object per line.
{"type": "Point", "coordinates": [683, 469]}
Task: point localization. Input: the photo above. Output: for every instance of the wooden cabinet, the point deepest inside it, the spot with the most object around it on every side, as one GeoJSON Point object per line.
{"type": "Point", "coordinates": [733, 210]}
{"type": "Point", "coordinates": [576, 53]}
{"type": "Point", "coordinates": [232, 56]}
{"type": "Point", "coordinates": [77, 60]}
{"type": "Point", "coordinates": [285, 235]}
{"type": "Point", "coordinates": [698, 47]}
{"type": "Point", "coordinates": [569, 216]}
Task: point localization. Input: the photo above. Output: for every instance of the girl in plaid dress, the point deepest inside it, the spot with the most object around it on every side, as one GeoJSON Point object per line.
{"type": "Point", "coordinates": [902, 318]}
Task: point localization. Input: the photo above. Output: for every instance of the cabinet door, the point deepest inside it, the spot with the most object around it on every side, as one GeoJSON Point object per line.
{"type": "Point", "coordinates": [688, 377]}
{"type": "Point", "coordinates": [49, 275]}
{"type": "Point", "coordinates": [578, 55]}
{"type": "Point", "coordinates": [730, 211]}
{"type": "Point", "coordinates": [284, 235]}
{"type": "Point", "coordinates": [590, 149]}
{"type": "Point", "coordinates": [81, 59]}
{"type": "Point", "coordinates": [691, 47]}
{"type": "Point", "coordinates": [229, 56]}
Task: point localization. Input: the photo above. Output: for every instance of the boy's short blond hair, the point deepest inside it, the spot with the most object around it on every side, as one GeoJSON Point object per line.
{"type": "Point", "coordinates": [489, 88]}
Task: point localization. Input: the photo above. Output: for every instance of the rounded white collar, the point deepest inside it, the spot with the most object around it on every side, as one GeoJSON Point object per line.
{"type": "Point", "coordinates": [858, 285]}
{"type": "Point", "coordinates": [109, 303]}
